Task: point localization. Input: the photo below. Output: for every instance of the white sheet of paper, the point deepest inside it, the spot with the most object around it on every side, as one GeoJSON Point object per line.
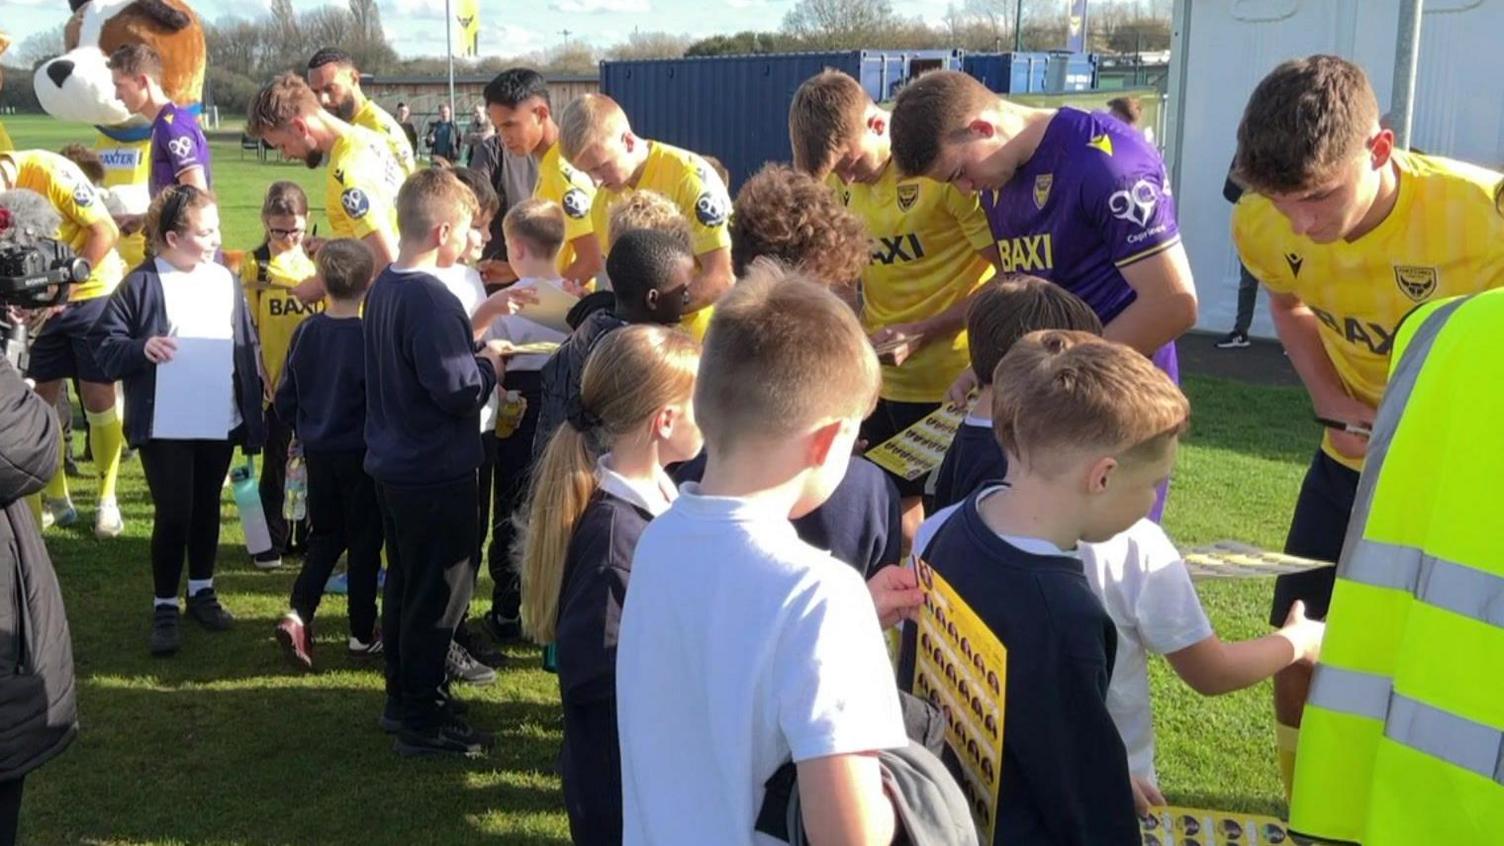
{"type": "Point", "coordinates": [552, 307]}
{"type": "Point", "coordinates": [195, 391]}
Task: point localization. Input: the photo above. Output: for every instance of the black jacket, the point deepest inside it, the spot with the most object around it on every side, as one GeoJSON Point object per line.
{"type": "Point", "coordinates": [38, 707]}
{"type": "Point", "coordinates": [564, 370]}
{"type": "Point", "coordinates": [137, 311]}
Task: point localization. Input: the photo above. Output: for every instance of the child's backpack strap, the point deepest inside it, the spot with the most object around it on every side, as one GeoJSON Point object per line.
{"type": "Point", "coordinates": [262, 255]}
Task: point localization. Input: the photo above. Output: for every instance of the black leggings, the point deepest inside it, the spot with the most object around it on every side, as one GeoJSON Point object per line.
{"type": "Point", "coordinates": [184, 478]}
{"type": "Point", "coordinates": [343, 510]}
{"type": "Point", "coordinates": [10, 810]}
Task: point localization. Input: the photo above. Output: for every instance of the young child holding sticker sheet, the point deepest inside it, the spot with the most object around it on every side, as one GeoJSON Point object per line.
{"type": "Point", "coordinates": [784, 381]}
{"type": "Point", "coordinates": [161, 333]}
{"type": "Point", "coordinates": [534, 230]}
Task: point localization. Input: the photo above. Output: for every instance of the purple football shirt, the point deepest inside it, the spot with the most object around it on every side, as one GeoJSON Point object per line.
{"type": "Point", "coordinates": [1092, 199]}
{"type": "Point", "coordinates": [177, 144]}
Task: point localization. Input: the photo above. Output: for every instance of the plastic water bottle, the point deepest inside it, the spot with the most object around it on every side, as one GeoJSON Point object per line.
{"type": "Point", "coordinates": [295, 490]}
{"type": "Point", "coordinates": [509, 417]}
{"type": "Point", "coordinates": [248, 502]}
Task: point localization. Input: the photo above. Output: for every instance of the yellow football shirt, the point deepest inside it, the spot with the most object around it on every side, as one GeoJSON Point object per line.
{"type": "Point", "coordinates": [360, 194]}
{"type": "Point", "coordinates": [925, 238]}
{"type": "Point", "coordinates": [274, 310]}
{"type": "Point", "coordinates": [81, 206]}
{"type": "Point", "coordinates": [690, 183]}
{"type": "Point", "coordinates": [1444, 237]}
{"type": "Point", "coordinates": [559, 182]}
{"type": "Point", "coordinates": [6, 144]}
{"type": "Point", "coordinates": [376, 119]}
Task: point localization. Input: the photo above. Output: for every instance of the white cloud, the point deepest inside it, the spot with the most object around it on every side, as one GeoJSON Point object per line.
{"type": "Point", "coordinates": [508, 40]}
{"type": "Point", "coordinates": [746, 4]}
{"type": "Point", "coordinates": [598, 7]}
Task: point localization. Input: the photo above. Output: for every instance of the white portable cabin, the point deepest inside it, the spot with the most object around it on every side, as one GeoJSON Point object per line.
{"type": "Point", "coordinates": [1222, 48]}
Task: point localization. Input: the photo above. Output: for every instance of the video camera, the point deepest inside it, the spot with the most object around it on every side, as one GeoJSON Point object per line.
{"type": "Point", "coordinates": [35, 271]}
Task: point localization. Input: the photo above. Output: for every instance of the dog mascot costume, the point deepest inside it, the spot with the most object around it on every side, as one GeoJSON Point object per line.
{"type": "Point", "coordinates": [77, 86]}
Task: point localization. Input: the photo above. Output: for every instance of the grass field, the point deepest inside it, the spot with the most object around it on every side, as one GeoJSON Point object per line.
{"type": "Point", "coordinates": [224, 744]}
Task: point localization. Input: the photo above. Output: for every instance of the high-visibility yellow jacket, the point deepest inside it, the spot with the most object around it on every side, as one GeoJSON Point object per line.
{"type": "Point", "coordinates": [1402, 740]}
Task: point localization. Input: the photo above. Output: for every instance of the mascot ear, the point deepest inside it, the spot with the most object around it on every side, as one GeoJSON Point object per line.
{"type": "Point", "coordinates": [158, 10]}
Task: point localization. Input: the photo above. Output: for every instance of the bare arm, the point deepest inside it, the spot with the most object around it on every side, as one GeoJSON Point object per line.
{"type": "Point", "coordinates": [1213, 666]}
{"type": "Point", "coordinates": [942, 325]}
{"type": "Point", "coordinates": [1299, 330]}
{"type": "Point", "coordinates": [194, 176]}
{"type": "Point", "coordinates": [587, 259]}
{"type": "Point", "coordinates": [1166, 303]}
{"type": "Point", "coordinates": [713, 280]}
{"type": "Point", "coordinates": [102, 237]}
{"type": "Point", "coordinates": [843, 801]}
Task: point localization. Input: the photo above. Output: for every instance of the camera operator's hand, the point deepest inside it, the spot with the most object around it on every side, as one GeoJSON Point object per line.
{"type": "Point", "coordinates": [160, 349]}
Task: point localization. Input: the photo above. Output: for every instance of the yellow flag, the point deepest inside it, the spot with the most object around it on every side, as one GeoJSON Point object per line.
{"type": "Point", "coordinates": [468, 18]}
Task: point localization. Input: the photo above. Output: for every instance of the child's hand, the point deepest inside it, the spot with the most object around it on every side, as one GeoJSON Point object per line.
{"type": "Point", "coordinates": [895, 591]}
{"type": "Point", "coordinates": [161, 349]}
{"type": "Point", "coordinates": [495, 272]}
{"type": "Point", "coordinates": [1303, 633]}
{"type": "Point", "coordinates": [959, 395]}
{"type": "Point", "coordinates": [510, 301]}
{"type": "Point", "coordinates": [573, 288]}
{"type": "Point", "coordinates": [311, 245]}
{"type": "Point", "coordinates": [1145, 795]}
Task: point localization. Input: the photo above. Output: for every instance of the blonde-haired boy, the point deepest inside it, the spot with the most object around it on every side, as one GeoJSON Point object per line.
{"type": "Point", "coordinates": [1090, 429]}
{"type": "Point", "coordinates": [425, 388]}
{"type": "Point", "coordinates": [785, 379]}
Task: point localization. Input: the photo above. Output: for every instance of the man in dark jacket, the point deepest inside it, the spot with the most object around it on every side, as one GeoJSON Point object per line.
{"type": "Point", "coordinates": [38, 711]}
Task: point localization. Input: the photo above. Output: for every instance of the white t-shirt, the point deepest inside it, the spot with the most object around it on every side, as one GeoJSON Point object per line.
{"type": "Point", "coordinates": [465, 284]}
{"type": "Point", "coordinates": [1148, 594]}
{"type": "Point", "coordinates": [741, 647]}
{"type": "Point", "coordinates": [519, 330]}
{"type": "Point", "coordinates": [200, 303]}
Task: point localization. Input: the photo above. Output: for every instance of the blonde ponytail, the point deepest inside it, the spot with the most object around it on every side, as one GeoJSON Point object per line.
{"type": "Point", "coordinates": [631, 374]}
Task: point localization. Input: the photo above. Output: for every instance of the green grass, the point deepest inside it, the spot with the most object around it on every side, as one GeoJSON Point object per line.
{"type": "Point", "coordinates": [224, 744]}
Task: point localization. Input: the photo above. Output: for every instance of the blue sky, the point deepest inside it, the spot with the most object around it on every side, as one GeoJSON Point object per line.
{"type": "Point", "coordinates": [509, 27]}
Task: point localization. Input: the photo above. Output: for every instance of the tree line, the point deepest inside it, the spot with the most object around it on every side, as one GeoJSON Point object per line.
{"type": "Point", "coordinates": [247, 51]}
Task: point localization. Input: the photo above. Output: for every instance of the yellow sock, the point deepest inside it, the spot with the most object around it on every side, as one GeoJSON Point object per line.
{"type": "Point", "coordinates": [106, 437]}
{"type": "Point", "coordinates": [1286, 739]}
{"type": "Point", "coordinates": [57, 486]}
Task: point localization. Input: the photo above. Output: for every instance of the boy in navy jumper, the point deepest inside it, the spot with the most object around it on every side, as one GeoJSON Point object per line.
{"type": "Point", "coordinates": [323, 397]}
{"type": "Point", "coordinates": [1001, 313]}
{"type": "Point", "coordinates": [1090, 429]}
{"type": "Point", "coordinates": [425, 386]}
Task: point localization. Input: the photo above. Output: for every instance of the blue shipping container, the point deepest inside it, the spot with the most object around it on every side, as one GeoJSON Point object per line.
{"type": "Point", "coordinates": [1009, 73]}
{"type": "Point", "coordinates": [1072, 72]}
{"type": "Point", "coordinates": [736, 108]}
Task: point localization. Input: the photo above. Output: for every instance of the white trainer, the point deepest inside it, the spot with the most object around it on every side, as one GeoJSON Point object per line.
{"type": "Point", "coordinates": [107, 520]}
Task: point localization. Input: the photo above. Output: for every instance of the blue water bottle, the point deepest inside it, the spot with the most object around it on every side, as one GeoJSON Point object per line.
{"type": "Point", "coordinates": [258, 538]}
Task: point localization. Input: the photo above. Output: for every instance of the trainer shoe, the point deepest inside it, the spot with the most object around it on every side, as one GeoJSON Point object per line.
{"type": "Point", "coordinates": [296, 638]}
{"type": "Point", "coordinates": [107, 521]}
{"type": "Point", "coordinates": [58, 512]}
{"type": "Point", "coordinates": [164, 630]}
{"type": "Point", "coordinates": [478, 648]}
{"type": "Point", "coordinates": [452, 736]}
{"type": "Point", "coordinates": [1234, 341]}
{"type": "Point", "coordinates": [205, 610]}
{"type": "Point", "coordinates": [361, 649]}
{"type": "Point", "coordinates": [267, 560]}
{"type": "Point", "coordinates": [501, 629]}
{"type": "Point", "coordinates": [391, 714]}
{"type": "Point", "coordinates": [460, 665]}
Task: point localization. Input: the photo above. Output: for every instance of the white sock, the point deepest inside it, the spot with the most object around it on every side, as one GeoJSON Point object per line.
{"type": "Point", "coordinates": [295, 615]}
{"type": "Point", "coordinates": [195, 586]}
{"type": "Point", "coordinates": [158, 602]}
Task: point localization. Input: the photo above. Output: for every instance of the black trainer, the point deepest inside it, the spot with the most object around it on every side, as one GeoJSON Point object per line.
{"type": "Point", "coordinates": [461, 666]}
{"type": "Point", "coordinates": [165, 639]}
{"type": "Point", "coordinates": [1234, 340]}
{"type": "Point", "coordinates": [478, 648]}
{"type": "Point", "coordinates": [452, 736]}
{"type": "Point", "coordinates": [205, 609]}
{"type": "Point", "coordinates": [501, 629]}
{"type": "Point", "coordinates": [391, 713]}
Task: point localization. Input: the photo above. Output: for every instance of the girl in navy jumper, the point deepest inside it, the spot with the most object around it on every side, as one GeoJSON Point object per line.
{"type": "Point", "coordinates": [599, 481]}
{"type": "Point", "coordinates": [183, 303]}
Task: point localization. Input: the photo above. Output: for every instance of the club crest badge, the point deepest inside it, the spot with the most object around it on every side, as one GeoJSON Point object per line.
{"type": "Point", "coordinates": [1417, 283]}
{"type": "Point", "coordinates": [908, 195]}
{"type": "Point", "coordinates": [1042, 184]}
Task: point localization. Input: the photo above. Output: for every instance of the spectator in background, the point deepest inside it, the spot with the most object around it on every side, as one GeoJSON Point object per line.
{"type": "Point", "coordinates": [479, 132]}
{"type": "Point", "coordinates": [1130, 111]}
{"type": "Point", "coordinates": [405, 120]}
{"type": "Point", "coordinates": [1248, 286]}
{"type": "Point", "coordinates": [443, 137]}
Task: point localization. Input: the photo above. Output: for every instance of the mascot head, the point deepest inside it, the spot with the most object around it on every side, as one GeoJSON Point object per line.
{"type": "Point", "coordinates": [77, 85]}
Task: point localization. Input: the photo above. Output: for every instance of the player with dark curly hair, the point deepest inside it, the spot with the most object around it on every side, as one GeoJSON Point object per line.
{"type": "Point", "coordinates": [790, 216]}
